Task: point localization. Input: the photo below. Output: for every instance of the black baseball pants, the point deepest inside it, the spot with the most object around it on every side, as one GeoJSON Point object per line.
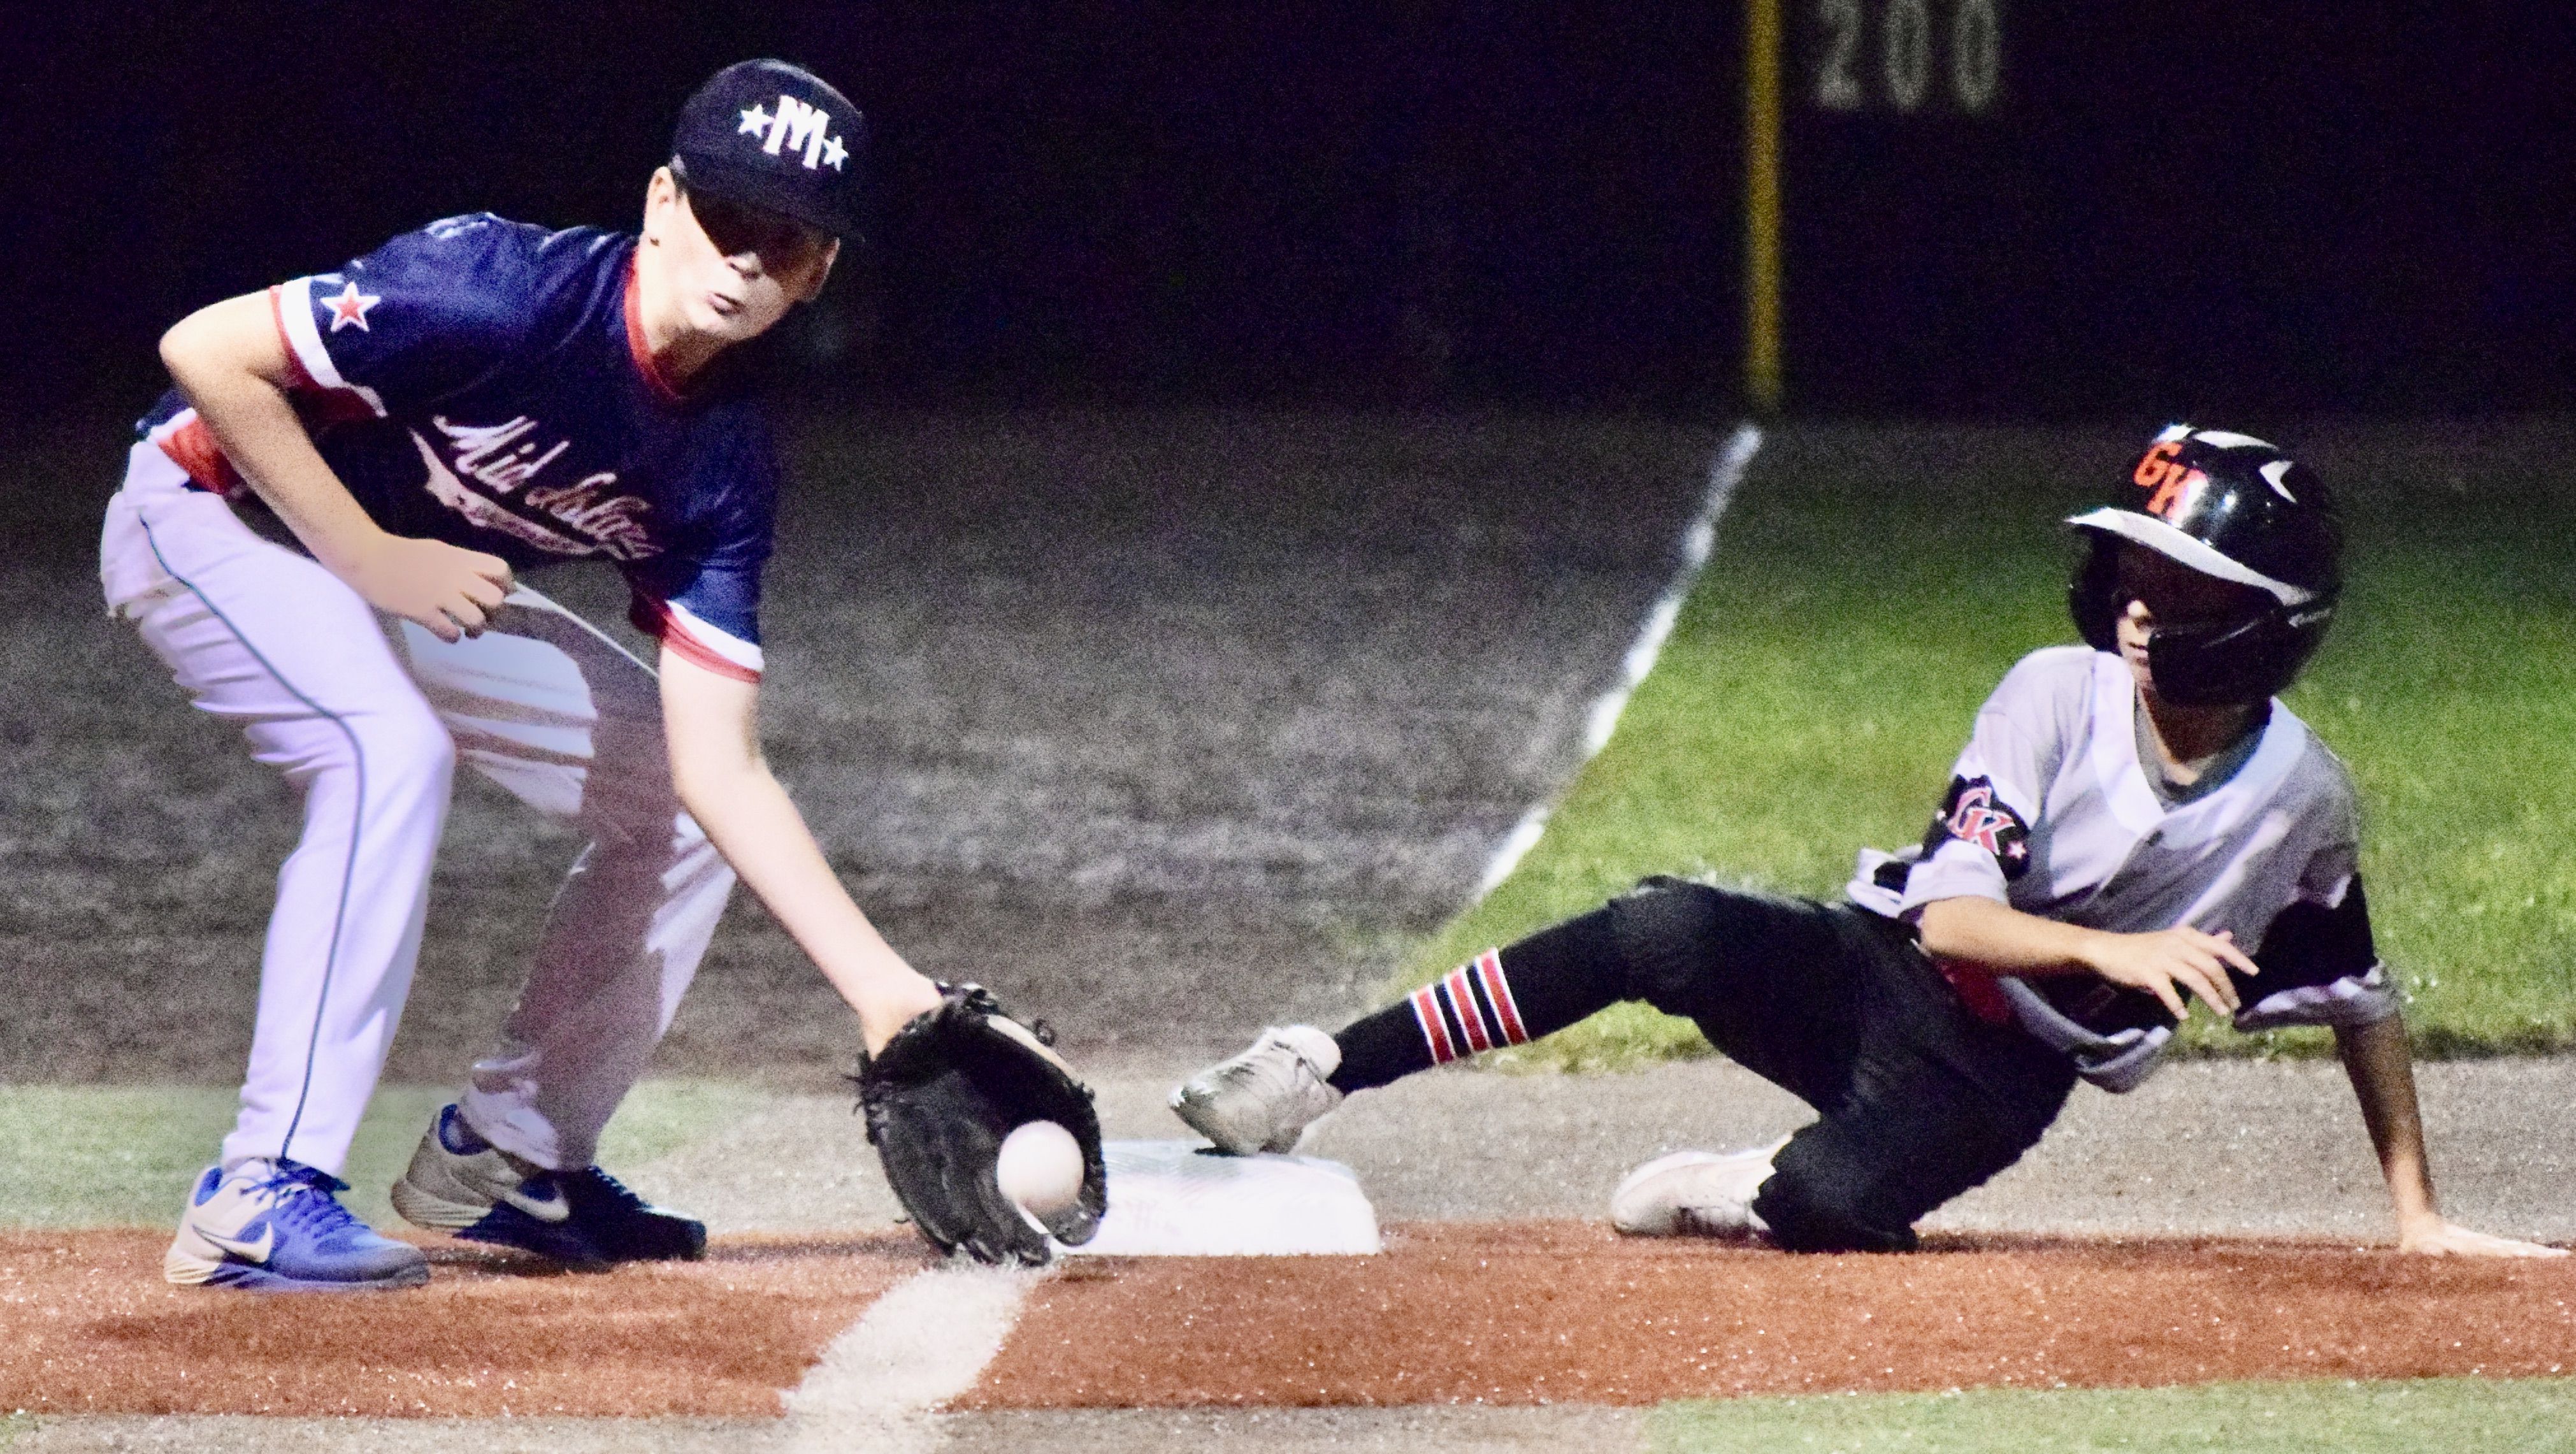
{"type": "Point", "coordinates": [1917, 1099]}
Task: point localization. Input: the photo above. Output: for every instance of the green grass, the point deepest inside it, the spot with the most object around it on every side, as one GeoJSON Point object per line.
{"type": "Point", "coordinates": [117, 1156]}
{"type": "Point", "coordinates": [2455, 1415]}
{"type": "Point", "coordinates": [1869, 590]}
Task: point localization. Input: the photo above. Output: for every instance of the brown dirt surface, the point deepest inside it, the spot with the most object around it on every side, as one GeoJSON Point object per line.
{"type": "Point", "coordinates": [88, 1326]}
{"type": "Point", "coordinates": [1570, 1312]}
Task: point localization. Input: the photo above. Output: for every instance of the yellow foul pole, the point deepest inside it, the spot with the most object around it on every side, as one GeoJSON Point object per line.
{"type": "Point", "coordinates": [1762, 204]}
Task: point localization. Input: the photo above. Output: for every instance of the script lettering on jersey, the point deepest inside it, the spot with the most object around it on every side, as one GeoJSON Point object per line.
{"type": "Point", "coordinates": [505, 461]}
{"type": "Point", "coordinates": [484, 454]}
{"type": "Point", "coordinates": [1973, 814]}
{"type": "Point", "coordinates": [608, 519]}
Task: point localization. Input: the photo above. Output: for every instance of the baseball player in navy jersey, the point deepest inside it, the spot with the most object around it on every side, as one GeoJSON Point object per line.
{"type": "Point", "coordinates": [321, 532]}
{"type": "Point", "coordinates": [2135, 824]}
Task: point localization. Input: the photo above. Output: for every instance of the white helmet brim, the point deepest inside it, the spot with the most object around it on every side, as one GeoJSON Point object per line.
{"type": "Point", "coordinates": [2166, 540]}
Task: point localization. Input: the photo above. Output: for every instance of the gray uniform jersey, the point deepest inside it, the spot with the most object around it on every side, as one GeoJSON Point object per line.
{"type": "Point", "coordinates": [2051, 812]}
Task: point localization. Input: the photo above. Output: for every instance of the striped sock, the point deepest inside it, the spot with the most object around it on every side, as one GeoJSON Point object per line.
{"type": "Point", "coordinates": [1467, 1010]}
{"type": "Point", "coordinates": [1508, 996]}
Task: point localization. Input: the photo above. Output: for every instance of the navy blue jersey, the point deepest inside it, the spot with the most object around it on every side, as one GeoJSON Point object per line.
{"type": "Point", "coordinates": [485, 383]}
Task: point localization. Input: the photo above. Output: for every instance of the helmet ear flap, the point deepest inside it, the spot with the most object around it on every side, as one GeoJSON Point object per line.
{"type": "Point", "coordinates": [2093, 593]}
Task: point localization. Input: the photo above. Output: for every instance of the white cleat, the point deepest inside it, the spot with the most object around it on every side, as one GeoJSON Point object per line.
{"type": "Point", "coordinates": [1265, 1098]}
{"type": "Point", "coordinates": [1695, 1194]}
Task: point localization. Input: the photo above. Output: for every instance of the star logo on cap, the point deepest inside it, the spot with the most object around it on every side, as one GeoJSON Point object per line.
{"type": "Point", "coordinates": [833, 151]}
{"type": "Point", "coordinates": [350, 307]}
{"type": "Point", "coordinates": [755, 120]}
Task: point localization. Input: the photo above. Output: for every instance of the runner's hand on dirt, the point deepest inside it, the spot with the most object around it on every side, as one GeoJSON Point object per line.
{"type": "Point", "coordinates": [2169, 961]}
{"type": "Point", "coordinates": [447, 590]}
{"type": "Point", "coordinates": [2440, 1238]}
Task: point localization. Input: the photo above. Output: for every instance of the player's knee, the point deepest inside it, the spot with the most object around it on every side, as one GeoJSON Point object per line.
{"type": "Point", "coordinates": [631, 822]}
{"type": "Point", "coordinates": [1676, 936]}
{"type": "Point", "coordinates": [405, 751]}
{"type": "Point", "coordinates": [1661, 927]}
{"type": "Point", "coordinates": [1815, 1204]}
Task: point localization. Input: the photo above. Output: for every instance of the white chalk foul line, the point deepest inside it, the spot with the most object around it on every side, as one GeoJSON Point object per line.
{"type": "Point", "coordinates": [1725, 472]}
{"type": "Point", "coordinates": [924, 1342]}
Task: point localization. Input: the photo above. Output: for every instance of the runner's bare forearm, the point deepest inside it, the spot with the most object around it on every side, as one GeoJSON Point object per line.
{"type": "Point", "coordinates": [2003, 938]}
{"type": "Point", "coordinates": [2381, 1066]}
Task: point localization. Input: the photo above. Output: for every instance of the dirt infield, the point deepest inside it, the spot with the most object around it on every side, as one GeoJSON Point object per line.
{"type": "Point", "coordinates": [1568, 1312]}
{"type": "Point", "coordinates": [1521, 1313]}
{"type": "Point", "coordinates": [88, 1326]}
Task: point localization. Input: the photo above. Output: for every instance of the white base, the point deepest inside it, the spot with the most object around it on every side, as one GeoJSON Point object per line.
{"type": "Point", "coordinates": [1172, 1199]}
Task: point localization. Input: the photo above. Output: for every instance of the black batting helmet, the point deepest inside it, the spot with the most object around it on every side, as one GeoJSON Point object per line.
{"type": "Point", "coordinates": [2237, 508]}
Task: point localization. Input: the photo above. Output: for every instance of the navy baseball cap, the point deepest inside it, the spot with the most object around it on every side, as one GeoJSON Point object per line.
{"type": "Point", "coordinates": [768, 134]}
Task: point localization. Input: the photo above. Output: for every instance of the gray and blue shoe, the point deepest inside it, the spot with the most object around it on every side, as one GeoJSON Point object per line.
{"type": "Point", "coordinates": [459, 1182]}
{"type": "Point", "coordinates": [278, 1226]}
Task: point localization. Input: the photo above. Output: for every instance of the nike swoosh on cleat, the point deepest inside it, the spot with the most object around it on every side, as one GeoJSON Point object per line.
{"type": "Point", "coordinates": [548, 1208]}
{"type": "Point", "coordinates": [239, 1247]}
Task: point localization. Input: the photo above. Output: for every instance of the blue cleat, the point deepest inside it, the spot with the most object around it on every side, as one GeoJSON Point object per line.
{"type": "Point", "coordinates": [276, 1226]}
{"type": "Point", "coordinates": [459, 1182]}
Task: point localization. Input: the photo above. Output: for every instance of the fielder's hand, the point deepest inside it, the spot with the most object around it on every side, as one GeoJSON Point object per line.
{"type": "Point", "coordinates": [939, 1099]}
{"type": "Point", "coordinates": [2439, 1238]}
{"type": "Point", "coordinates": [2170, 961]}
{"type": "Point", "coordinates": [449, 591]}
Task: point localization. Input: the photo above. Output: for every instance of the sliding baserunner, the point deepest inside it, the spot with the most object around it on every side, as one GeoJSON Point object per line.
{"type": "Point", "coordinates": [2136, 823]}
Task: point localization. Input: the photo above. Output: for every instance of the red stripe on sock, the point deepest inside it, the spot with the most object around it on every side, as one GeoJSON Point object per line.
{"type": "Point", "coordinates": [1489, 967]}
{"type": "Point", "coordinates": [1426, 1013]}
{"type": "Point", "coordinates": [1470, 1019]}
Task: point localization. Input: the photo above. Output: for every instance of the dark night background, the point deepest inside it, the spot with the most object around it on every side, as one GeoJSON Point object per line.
{"type": "Point", "coordinates": [2164, 207]}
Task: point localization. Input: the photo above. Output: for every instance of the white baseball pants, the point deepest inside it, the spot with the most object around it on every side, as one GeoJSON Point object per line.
{"type": "Point", "coordinates": [262, 635]}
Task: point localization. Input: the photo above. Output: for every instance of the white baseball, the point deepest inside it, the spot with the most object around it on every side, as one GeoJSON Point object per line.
{"type": "Point", "coordinates": [1040, 1168]}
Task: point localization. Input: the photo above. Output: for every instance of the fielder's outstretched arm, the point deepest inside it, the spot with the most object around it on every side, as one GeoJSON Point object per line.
{"type": "Point", "coordinates": [2382, 1067]}
{"type": "Point", "coordinates": [713, 723]}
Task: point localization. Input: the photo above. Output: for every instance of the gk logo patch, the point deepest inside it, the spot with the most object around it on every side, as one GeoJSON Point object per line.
{"type": "Point", "coordinates": [1973, 814]}
{"type": "Point", "coordinates": [795, 126]}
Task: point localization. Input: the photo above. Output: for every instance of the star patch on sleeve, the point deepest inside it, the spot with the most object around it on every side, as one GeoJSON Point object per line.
{"type": "Point", "coordinates": [350, 308]}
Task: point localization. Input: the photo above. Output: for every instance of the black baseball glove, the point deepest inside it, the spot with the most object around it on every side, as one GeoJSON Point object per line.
{"type": "Point", "coordinates": [939, 1099]}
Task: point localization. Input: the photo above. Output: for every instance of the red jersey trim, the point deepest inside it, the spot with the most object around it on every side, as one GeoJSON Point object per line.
{"type": "Point", "coordinates": [654, 379]}
{"type": "Point", "coordinates": [191, 445]}
{"type": "Point", "coordinates": [654, 619]}
{"type": "Point", "coordinates": [299, 380]}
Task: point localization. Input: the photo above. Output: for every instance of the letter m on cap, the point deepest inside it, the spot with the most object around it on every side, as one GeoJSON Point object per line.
{"type": "Point", "coordinates": [798, 127]}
